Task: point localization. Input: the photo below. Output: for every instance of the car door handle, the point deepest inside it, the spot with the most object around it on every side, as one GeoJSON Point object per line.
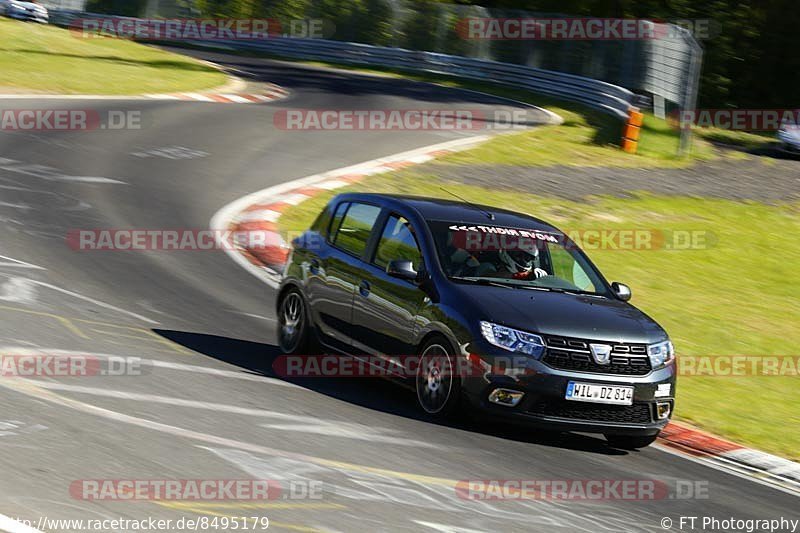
{"type": "Point", "coordinates": [314, 266]}
{"type": "Point", "coordinates": [364, 288]}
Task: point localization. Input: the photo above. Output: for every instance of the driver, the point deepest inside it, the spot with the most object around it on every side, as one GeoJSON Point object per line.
{"type": "Point", "coordinates": [522, 264]}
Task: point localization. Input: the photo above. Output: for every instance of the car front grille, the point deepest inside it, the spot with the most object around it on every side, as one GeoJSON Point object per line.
{"type": "Point", "coordinates": [638, 413]}
{"type": "Point", "coordinates": [564, 353]}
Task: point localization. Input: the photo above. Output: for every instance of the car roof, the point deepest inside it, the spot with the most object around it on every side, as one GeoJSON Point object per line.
{"type": "Point", "coordinates": [453, 210]}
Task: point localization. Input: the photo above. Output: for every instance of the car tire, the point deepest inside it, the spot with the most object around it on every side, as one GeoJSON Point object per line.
{"type": "Point", "coordinates": [294, 328]}
{"type": "Point", "coordinates": [437, 382]}
{"type": "Point", "coordinates": [627, 442]}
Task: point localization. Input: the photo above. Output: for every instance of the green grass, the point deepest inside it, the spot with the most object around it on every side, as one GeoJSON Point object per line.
{"type": "Point", "coordinates": [46, 59]}
{"type": "Point", "coordinates": [587, 137]}
{"type": "Point", "coordinates": [575, 143]}
{"type": "Point", "coordinates": [748, 141]}
{"type": "Point", "coordinates": [738, 296]}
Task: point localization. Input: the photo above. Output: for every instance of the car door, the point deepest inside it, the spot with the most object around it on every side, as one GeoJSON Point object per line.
{"type": "Point", "coordinates": [334, 271]}
{"type": "Point", "coordinates": [385, 307]}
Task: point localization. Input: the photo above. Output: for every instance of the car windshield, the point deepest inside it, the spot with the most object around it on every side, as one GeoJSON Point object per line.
{"type": "Point", "coordinates": [515, 257]}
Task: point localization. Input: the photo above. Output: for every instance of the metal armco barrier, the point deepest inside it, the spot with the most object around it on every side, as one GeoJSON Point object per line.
{"type": "Point", "coordinates": [600, 95]}
{"type": "Point", "coordinates": [606, 97]}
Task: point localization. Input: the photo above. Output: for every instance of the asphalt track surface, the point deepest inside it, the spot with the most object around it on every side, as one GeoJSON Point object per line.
{"type": "Point", "coordinates": [383, 466]}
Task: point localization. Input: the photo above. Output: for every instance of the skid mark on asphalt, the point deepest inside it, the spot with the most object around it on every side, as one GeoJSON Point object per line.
{"type": "Point", "coordinates": [49, 173]}
{"type": "Point", "coordinates": [353, 481]}
{"type": "Point", "coordinates": [68, 324]}
{"type": "Point", "coordinates": [171, 152]}
{"type": "Point", "coordinates": [298, 423]}
{"type": "Point", "coordinates": [167, 365]}
{"type": "Point", "coordinates": [10, 428]}
{"type": "Point", "coordinates": [376, 488]}
{"type": "Point", "coordinates": [109, 331]}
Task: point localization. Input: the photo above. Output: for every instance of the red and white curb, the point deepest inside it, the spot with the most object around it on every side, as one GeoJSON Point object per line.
{"type": "Point", "coordinates": [261, 211]}
{"type": "Point", "coordinates": [727, 455]}
{"type": "Point", "coordinates": [269, 94]}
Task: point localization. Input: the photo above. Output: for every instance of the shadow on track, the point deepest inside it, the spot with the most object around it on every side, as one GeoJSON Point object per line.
{"type": "Point", "coordinates": [373, 393]}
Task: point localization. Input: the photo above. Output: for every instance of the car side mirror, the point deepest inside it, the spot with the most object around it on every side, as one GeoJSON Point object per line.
{"type": "Point", "coordinates": [402, 269]}
{"type": "Point", "coordinates": [621, 291]}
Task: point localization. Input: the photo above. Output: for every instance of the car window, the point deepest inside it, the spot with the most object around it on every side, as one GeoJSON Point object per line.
{"type": "Point", "coordinates": [356, 227]}
{"type": "Point", "coordinates": [397, 242]}
{"type": "Point", "coordinates": [567, 267]}
{"type": "Point", "coordinates": [336, 221]}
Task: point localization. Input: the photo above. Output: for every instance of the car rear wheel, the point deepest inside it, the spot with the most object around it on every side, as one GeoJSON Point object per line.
{"type": "Point", "coordinates": [627, 442]}
{"type": "Point", "coordinates": [437, 382]}
{"type": "Point", "coordinates": [293, 327]}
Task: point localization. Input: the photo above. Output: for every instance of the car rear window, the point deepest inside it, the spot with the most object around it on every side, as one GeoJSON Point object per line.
{"type": "Point", "coordinates": [356, 226]}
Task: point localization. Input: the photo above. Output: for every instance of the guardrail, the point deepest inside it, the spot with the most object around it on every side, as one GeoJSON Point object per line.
{"type": "Point", "coordinates": [600, 95]}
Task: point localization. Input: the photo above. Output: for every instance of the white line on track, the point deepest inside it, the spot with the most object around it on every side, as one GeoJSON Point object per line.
{"type": "Point", "coordinates": [87, 299]}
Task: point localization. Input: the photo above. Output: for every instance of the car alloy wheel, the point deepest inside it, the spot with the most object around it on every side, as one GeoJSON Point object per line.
{"type": "Point", "coordinates": [292, 323]}
{"type": "Point", "coordinates": [438, 388]}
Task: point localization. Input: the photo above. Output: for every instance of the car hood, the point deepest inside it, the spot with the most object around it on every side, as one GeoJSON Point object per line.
{"type": "Point", "coordinates": [567, 315]}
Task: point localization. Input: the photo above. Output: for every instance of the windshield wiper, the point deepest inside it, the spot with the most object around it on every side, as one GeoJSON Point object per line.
{"type": "Point", "coordinates": [562, 290]}
{"type": "Point", "coordinates": [483, 281]}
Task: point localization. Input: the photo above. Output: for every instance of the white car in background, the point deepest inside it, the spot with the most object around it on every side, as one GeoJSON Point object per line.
{"type": "Point", "coordinates": [16, 9]}
{"type": "Point", "coordinates": [789, 137]}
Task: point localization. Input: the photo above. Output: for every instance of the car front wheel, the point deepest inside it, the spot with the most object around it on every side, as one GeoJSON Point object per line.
{"type": "Point", "coordinates": [437, 382]}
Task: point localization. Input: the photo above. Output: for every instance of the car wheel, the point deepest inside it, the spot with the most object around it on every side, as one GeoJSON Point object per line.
{"type": "Point", "coordinates": [293, 327]}
{"type": "Point", "coordinates": [437, 383]}
{"type": "Point", "coordinates": [627, 442]}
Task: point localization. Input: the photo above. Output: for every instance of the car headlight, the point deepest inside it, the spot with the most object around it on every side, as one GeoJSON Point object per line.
{"type": "Point", "coordinates": [513, 340]}
{"type": "Point", "coordinates": [661, 354]}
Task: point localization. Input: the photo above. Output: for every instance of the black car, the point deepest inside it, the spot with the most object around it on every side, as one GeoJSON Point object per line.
{"type": "Point", "coordinates": [450, 285]}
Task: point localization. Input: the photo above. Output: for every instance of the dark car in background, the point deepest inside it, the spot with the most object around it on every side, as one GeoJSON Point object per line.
{"type": "Point", "coordinates": [553, 343]}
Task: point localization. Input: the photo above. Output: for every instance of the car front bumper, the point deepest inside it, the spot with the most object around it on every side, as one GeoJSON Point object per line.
{"type": "Point", "coordinates": [544, 403]}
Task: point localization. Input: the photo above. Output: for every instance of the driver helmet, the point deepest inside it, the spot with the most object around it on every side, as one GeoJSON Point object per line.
{"type": "Point", "coordinates": [519, 261]}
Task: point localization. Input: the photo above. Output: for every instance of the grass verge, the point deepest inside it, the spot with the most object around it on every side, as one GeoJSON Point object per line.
{"type": "Point", "coordinates": [587, 137]}
{"type": "Point", "coordinates": [737, 296]}
{"type": "Point", "coordinates": [46, 59]}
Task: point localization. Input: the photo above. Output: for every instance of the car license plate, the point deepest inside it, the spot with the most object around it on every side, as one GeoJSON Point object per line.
{"type": "Point", "coordinates": [589, 392]}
